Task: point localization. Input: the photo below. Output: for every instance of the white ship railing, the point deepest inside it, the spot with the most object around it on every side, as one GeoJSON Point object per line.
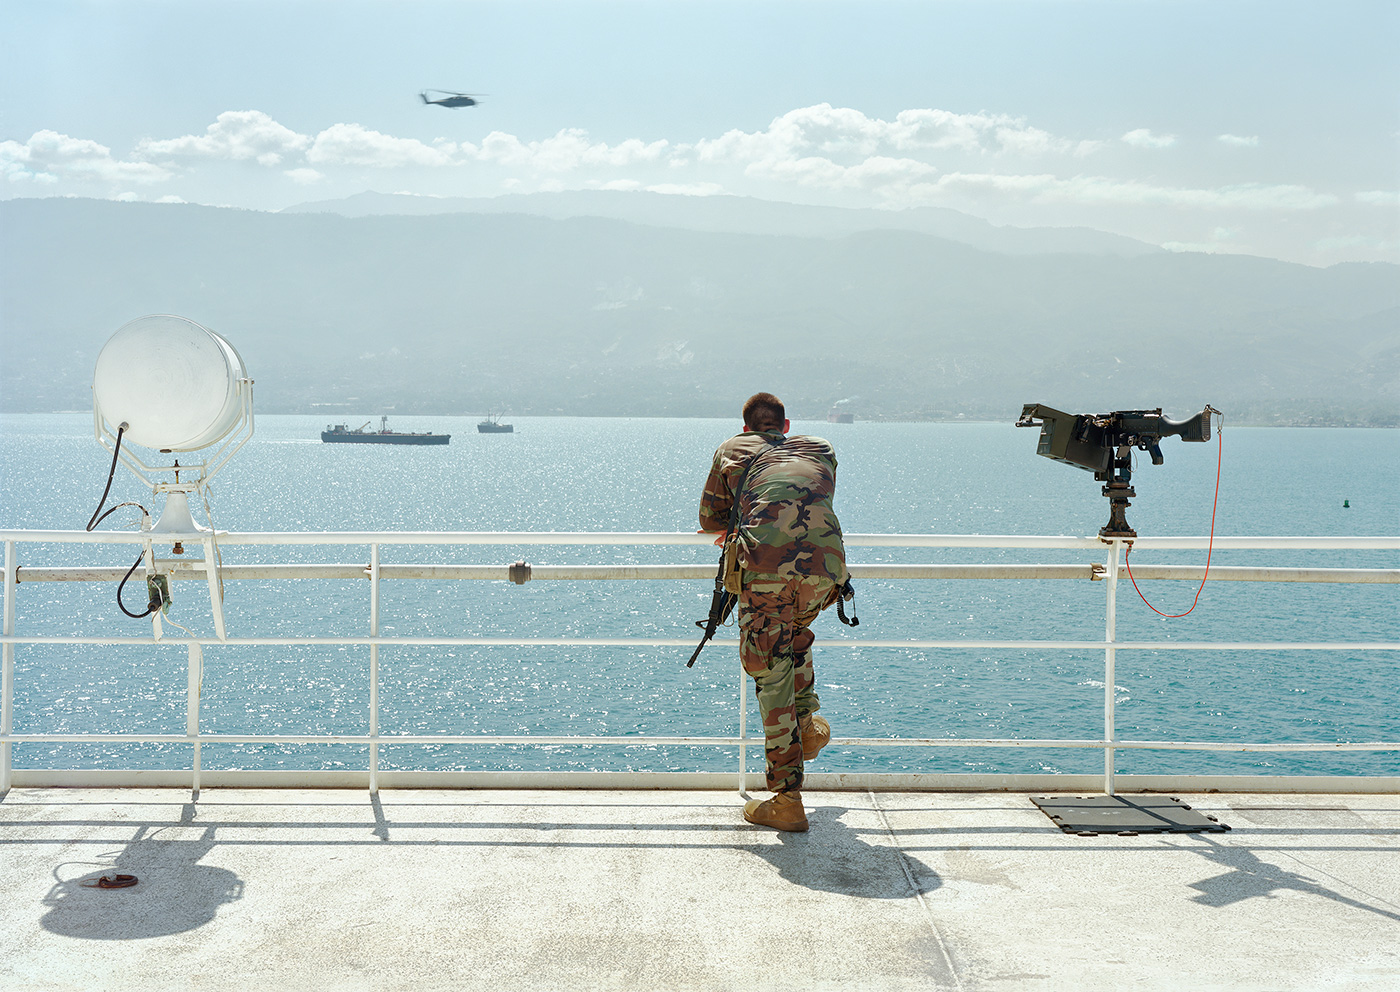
{"type": "Point", "coordinates": [1107, 570]}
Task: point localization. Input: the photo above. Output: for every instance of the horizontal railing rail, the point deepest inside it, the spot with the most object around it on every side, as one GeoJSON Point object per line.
{"type": "Point", "coordinates": [375, 572]}
{"type": "Point", "coordinates": [497, 573]}
{"type": "Point", "coordinates": [656, 740]}
{"type": "Point", "coordinates": [1013, 541]}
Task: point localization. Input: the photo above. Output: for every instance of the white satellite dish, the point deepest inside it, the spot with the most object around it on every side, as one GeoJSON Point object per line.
{"type": "Point", "coordinates": [168, 383]}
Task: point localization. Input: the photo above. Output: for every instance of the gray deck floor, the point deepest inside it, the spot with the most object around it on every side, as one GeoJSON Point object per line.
{"type": "Point", "coordinates": [504, 890]}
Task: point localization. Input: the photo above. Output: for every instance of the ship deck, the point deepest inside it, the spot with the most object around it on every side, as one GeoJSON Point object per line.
{"type": "Point", "coordinates": [658, 890]}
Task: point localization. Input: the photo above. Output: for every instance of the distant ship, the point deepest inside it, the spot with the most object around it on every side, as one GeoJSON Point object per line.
{"type": "Point", "coordinates": [341, 434]}
{"type": "Point", "coordinates": [837, 417]}
{"type": "Point", "coordinates": [492, 425]}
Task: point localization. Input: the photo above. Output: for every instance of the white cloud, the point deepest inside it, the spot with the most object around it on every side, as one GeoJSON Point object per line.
{"type": "Point", "coordinates": [568, 150]}
{"type": "Point", "coordinates": [503, 148]}
{"type": "Point", "coordinates": [811, 170]}
{"type": "Point", "coordinates": [997, 165]}
{"type": "Point", "coordinates": [48, 157]}
{"type": "Point", "coordinates": [843, 135]}
{"type": "Point", "coordinates": [1032, 142]}
{"type": "Point", "coordinates": [943, 129]}
{"type": "Point", "coordinates": [1222, 240]}
{"type": "Point", "coordinates": [352, 144]}
{"type": "Point", "coordinates": [304, 177]}
{"type": "Point", "coordinates": [629, 152]}
{"type": "Point", "coordinates": [1259, 196]}
{"type": "Point", "coordinates": [1099, 190]}
{"type": "Point", "coordinates": [238, 135]}
{"type": "Point", "coordinates": [17, 164]}
{"type": "Point", "coordinates": [881, 171]}
{"type": "Point", "coordinates": [1144, 138]}
{"type": "Point", "coordinates": [1342, 241]}
{"type": "Point", "coordinates": [1370, 245]}
{"type": "Point", "coordinates": [688, 189]}
{"type": "Point", "coordinates": [1191, 246]}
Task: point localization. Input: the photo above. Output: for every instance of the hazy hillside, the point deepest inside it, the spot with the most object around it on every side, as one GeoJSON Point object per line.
{"type": "Point", "coordinates": [744, 215]}
{"type": "Point", "coordinates": [458, 313]}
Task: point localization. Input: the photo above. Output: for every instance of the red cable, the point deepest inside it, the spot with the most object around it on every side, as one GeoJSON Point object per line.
{"type": "Point", "coordinates": [1220, 452]}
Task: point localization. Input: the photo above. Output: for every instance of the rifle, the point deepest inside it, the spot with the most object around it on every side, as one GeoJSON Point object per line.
{"type": "Point", "coordinates": [721, 605]}
{"type": "Point", "coordinates": [723, 602]}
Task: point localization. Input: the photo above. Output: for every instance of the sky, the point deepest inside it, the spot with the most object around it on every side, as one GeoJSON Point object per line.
{"type": "Point", "coordinates": [1267, 128]}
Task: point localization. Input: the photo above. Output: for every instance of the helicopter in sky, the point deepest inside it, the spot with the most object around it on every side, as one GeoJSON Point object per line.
{"type": "Point", "coordinates": [451, 98]}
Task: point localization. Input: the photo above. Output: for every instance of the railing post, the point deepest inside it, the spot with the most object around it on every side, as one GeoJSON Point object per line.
{"type": "Point", "coordinates": [7, 669]}
{"type": "Point", "coordinates": [374, 668]}
{"type": "Point", "coordinates": [743, 720]}
{"type": "Point", "coordinates": [1109, 667]}
{"type": "Point", "coordinates": [195, 683]}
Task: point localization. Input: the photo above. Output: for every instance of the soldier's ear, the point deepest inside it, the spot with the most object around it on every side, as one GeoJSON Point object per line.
{"type": "Point", "coordinates": [787, 426]}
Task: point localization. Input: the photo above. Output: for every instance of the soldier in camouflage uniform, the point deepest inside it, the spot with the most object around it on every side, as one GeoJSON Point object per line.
{"type": "Point", "coordinates": [794, 565]}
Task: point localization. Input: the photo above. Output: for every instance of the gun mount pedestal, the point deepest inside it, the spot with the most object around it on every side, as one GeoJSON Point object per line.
{"type": "Point", "coordinates": [1119, 490]}
{"type": "Point", "coordinates": [1117, 525]}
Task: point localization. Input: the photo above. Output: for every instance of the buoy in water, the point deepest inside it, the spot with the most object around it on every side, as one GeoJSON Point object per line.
{"type": "Point", "coordinates": [1346, 504]}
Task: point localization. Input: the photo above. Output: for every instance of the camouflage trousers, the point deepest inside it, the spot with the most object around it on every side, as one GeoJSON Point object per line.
{"type": "Point", "coordinates": [775, 647]}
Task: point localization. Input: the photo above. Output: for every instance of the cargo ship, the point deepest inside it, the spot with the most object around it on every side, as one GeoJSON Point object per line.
{"type": "Point", "coordinates": [342, 434]}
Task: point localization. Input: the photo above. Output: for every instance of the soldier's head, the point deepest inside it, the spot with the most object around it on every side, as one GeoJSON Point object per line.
{"type": "Point", "coordinates": [764, 412]}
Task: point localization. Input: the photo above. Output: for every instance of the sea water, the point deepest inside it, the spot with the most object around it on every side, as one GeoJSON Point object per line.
{"type": "Point", "coordinates": [569, 474]}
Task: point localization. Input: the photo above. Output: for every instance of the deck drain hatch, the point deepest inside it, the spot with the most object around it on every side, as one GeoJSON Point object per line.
{"type": "Point", "coordinates": [1089, 816]}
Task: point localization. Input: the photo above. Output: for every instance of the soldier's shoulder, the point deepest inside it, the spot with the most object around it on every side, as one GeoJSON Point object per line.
{"type": "Point", "coordinates": [747, 441]}
{"type": "Point", "coordinates": [811, 442]}
{"type": "Point", "coordinates": [740, 448]}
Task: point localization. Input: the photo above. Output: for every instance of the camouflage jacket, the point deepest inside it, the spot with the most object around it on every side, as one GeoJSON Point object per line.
{"type": "Point", "coordinates": [786, 523]}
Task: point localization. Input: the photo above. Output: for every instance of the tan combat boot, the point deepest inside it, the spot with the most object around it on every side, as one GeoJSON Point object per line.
{"type": "Point", "coordinates": [816, 734]}
{"type": "Point", "coordinates": [784, 812]}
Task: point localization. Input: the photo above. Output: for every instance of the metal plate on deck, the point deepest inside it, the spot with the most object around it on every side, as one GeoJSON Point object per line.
{"type": "Point", "coordinates": [1090, 816]}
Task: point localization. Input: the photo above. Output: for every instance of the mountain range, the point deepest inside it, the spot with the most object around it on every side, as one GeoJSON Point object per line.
{"type": "Point", "coordinates": [743, 215]}
{"type": "Point", "coordinates": [630, 304]}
